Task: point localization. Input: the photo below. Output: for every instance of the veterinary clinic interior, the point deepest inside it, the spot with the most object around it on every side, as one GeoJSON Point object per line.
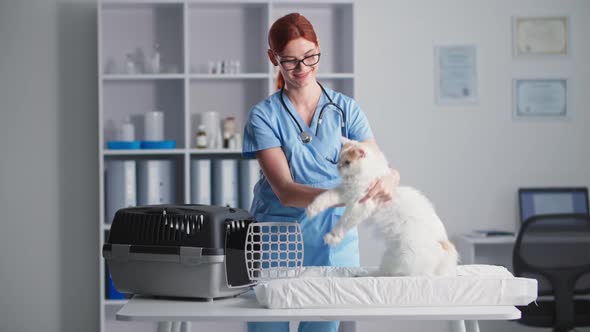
{"type": "Point", "coordinates": [282, 165]}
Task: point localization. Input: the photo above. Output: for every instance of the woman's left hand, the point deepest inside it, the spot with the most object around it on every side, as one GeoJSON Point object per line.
{"type": "Point", "coordinates": [383, 189]}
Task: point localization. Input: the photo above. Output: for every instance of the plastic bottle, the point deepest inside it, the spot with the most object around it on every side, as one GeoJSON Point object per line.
{"type": "Point", "coordinates": [229, 130]}
{"type": "Point", "coordinates": [201, 137]}
{"type": "Point", "coordinates": [155, 60]}
{"type": "Point", "coordinates": [130, 67]}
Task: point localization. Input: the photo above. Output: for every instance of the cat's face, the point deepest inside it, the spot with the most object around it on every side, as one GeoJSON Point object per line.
{"type": "Point", "coordinates": [352, 155]}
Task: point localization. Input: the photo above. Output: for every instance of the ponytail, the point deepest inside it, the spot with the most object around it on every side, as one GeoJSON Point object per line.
{"type": "Point", "coordinates": [280, 81]}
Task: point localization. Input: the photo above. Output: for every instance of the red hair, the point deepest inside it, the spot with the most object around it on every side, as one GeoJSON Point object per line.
{"type": "Point", "coordinates": [285, 29]}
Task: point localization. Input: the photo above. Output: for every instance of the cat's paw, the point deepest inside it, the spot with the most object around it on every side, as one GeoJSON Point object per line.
{"type": "Point", "coordinates": [313, 210]}
{"type": "Point", "coordinates": [332, 239]}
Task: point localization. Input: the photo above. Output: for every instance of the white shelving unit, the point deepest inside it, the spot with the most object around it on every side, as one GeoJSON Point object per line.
{"type": "Point", "coordinates": [190, 34]}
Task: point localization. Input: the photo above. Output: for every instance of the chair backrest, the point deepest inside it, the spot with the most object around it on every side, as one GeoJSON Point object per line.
{"type": "Point", "coordinates": [554, 246]}
{"type": "Point", "coordinates": [555, 250]}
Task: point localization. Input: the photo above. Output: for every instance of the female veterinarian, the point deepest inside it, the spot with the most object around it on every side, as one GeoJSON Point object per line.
{"type": "Point", "coordinates": [295, 135]}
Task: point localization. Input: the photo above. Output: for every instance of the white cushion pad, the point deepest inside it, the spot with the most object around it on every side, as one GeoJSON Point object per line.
{"type": "Point", "coordinates": [318, 287]}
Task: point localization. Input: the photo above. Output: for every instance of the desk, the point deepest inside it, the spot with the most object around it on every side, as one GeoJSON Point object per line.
{"type": "Point", "coordinates": [497, 250]}
{"type": "Point", "coordinates": [246, 308]}
{"type": "Point", "coordinates": [470, 249]}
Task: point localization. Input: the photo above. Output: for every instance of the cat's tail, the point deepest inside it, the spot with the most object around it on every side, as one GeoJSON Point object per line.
{"type": "Point", "coordinates": [450, 259]}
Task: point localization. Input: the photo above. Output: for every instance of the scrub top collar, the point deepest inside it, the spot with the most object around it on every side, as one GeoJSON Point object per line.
{"type": "Point", "coordinates": [314, 120]}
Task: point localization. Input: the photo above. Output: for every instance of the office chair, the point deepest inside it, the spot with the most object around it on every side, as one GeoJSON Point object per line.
{"type": "Point", "coordinates": [555, 250]}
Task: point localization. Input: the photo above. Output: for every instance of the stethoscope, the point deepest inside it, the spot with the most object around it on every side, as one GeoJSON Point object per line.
{"type": "Point", "coordinates": [305, 136]}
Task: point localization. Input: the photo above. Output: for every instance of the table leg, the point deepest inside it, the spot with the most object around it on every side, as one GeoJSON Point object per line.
{"type": "Point", "coordinates": [458, 326]}
{"type": "Point", "coordinates": [472, 326]}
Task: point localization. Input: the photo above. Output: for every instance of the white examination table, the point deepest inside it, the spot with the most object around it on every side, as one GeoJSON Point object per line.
{"type": "Point", "coordinates": [477, 293]}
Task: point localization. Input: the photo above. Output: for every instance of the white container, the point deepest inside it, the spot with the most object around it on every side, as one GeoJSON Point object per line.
{"type": "Point", "coordinates": [154, 126]}
{"type": "Point", "coordinates": [120, 186]}
{"type": "Point", "coordinates": [156, 183]}
{"type": "Point", "coordinates": [127, 131]}
{"type": "Point", "coordinates": [212, 123]}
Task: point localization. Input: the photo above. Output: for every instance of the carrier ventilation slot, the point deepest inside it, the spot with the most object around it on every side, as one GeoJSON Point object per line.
{"type": "Point", "coordinates": [167, 227]}
{"type": "Point", "coordinates": [274, 250]}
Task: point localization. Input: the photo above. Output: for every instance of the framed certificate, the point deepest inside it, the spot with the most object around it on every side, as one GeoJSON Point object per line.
{"type": "Point", "coordinates": [540, 35]}
{"type": "Point", "coordinates": [540, 98]}
{"type": "Point", "coordinates": [455, 74]}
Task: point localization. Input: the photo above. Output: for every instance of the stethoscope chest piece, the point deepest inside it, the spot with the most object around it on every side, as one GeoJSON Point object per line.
{"type": "Point", "coordinates": [305, 137]}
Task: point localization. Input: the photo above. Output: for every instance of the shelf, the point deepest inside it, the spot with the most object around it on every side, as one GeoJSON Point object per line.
{"type": "Point", "coordinates": [335, 75]}
{"type": "Point", "coordinates": [124, 100]}
{"type": "Point", "coordinates": [229, 76]}
{"type": "Point", "coordinates": [148, 152]}
{"type": "Point", "coordinates": [228, 97]}
{"type": "Point", "coordinates": [263, 76]}
{"type": "Point", "coordinates": [215, 151]}
{"type": "Point", "coordinates": [341, 84]}
{"type": "Point", "coordinates": [137, 77]}
{"type": "Point", "coordinates": [115, 302]}
{"type": "Point", "coordinates": [143, 152]}
{"type": "Point", "coordinates": [332, 21]}
{"type": "Point", "coordinates": [131, 30]}
{"type": "Point", "coordinates": [228, 31]}
{"type": "Point", "coordinates": [140, 2]}
{"type": "Point", "coordinates": [509, 239]}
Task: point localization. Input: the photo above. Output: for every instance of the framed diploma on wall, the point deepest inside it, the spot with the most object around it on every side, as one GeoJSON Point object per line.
{"type": "Point", "coordinates": [540, 36]}
{"type": "Point", "coordinates": [455, 74]}
{"type": "Point", "coordinates": [540, 98]}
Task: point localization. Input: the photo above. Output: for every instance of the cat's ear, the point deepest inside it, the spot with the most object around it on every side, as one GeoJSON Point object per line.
{"type": "Point", "coordinates": [358, 153]}
{"type": "Point", "coordinates": [362, 153]}
{"type": "Point", "coordinates": [344, 140]}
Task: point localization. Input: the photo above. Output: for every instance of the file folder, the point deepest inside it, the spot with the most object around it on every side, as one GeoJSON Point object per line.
{"type": "Point", "coordinates": [225, 182]}
{"type": "Point", "coordinates": [201, 181]}
{"type": "Point", "coordinates": [156, 183]}
{"type": "Point", "coordinates": [120, 186]}
{"type": "Point", "coordinates": [249, 176]}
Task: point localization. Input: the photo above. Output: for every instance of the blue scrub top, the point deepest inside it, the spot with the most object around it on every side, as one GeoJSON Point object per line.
{"type": "Point", "coordinates": [270, 125]}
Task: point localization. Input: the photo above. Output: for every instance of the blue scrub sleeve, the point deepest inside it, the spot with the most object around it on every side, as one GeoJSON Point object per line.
{"type": "Point", "coordinates": [358, 128]}
{"type": "Point", "coordinates": [259, 133]}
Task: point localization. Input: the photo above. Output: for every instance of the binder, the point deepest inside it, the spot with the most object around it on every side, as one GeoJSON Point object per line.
{"type": "Point", "coordinates": [225, 182]}
{"type": "Point", "coordinates": [156, 183]}
{"type": "Point", "coordinates": [201, 181]}
{"type": "Point", "coordinates": [249, 176]}
{"type": "Point", "coordinates": [120, 186]}
{"type": "Point", "coordinates": [111, 293]}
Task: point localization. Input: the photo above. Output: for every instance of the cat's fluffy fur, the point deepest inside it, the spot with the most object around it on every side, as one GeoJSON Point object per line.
{"type": "Point", "coordinates": [415, 238]}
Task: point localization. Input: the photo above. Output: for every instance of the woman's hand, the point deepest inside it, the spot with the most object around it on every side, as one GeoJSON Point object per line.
{"type": "Point", "coordinates": [383, 189]}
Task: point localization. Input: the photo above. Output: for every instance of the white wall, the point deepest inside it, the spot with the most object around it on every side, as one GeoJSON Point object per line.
{"type": "Point", "coordinates": [469, 159]}
{"type": "Point", "coordinates": [48, 166]}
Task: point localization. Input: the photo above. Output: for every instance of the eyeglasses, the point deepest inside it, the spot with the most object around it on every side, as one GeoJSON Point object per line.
{"type": "Point", "coordinates": [309, 60]}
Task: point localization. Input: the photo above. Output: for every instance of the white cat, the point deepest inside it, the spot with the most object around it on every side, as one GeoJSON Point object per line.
{"type": "Point", "coordinates": [415, 238]}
